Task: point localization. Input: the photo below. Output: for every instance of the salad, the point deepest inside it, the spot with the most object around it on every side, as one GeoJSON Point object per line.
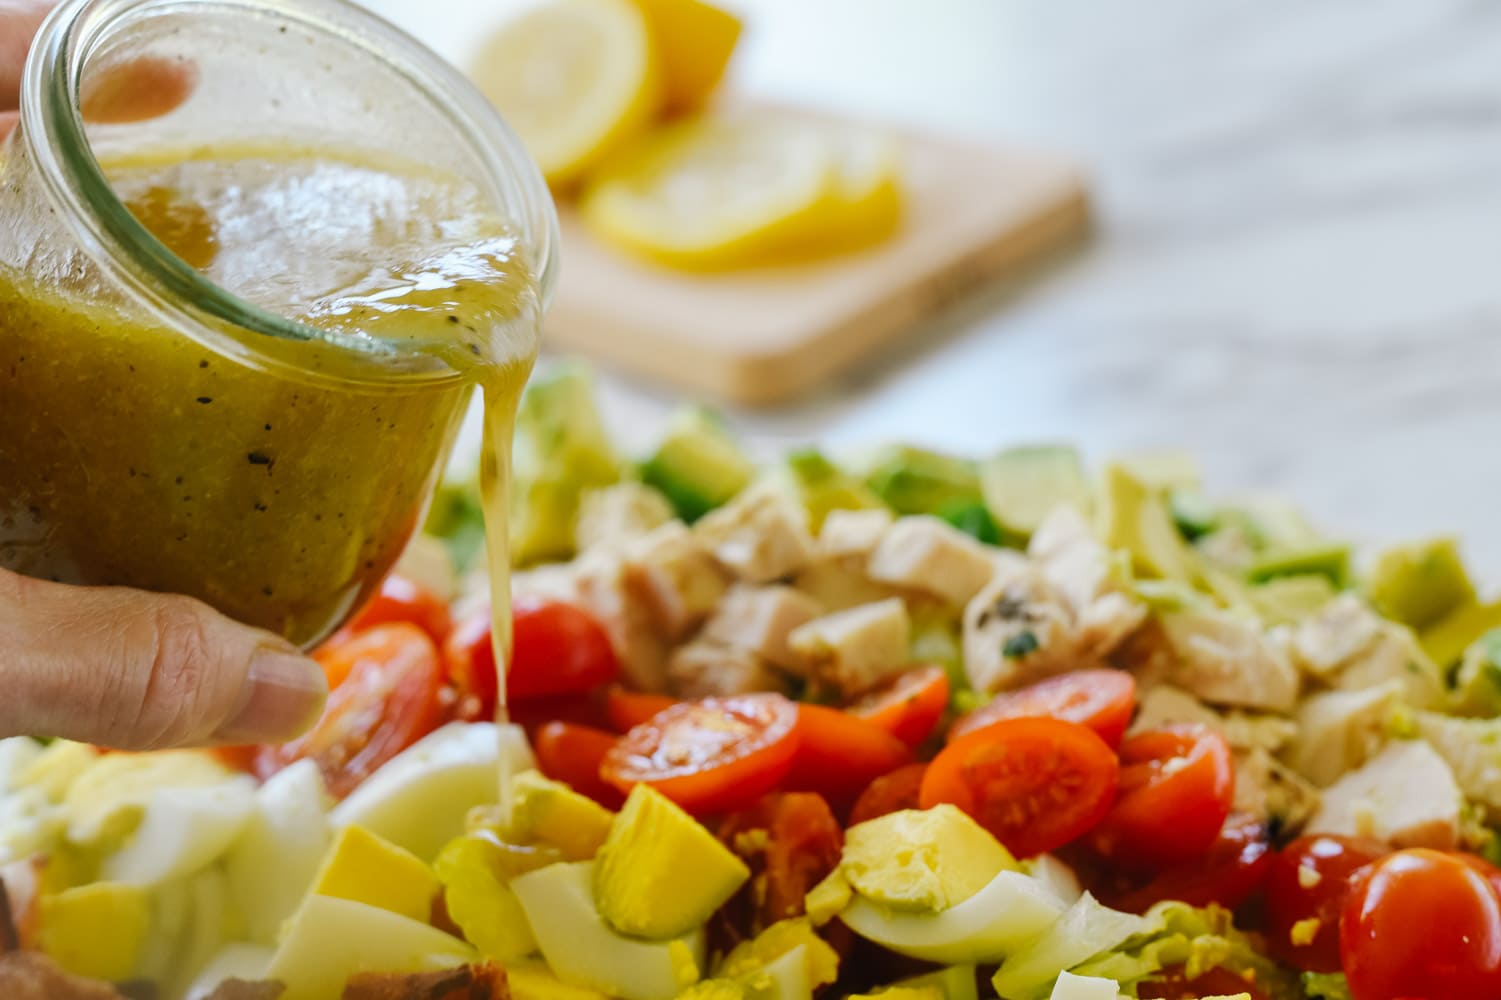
{"type": "Point", "coordinates": [908, 725]}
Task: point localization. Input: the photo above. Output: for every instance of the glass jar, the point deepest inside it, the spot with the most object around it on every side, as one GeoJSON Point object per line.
{"type": "Point", "coordinates": [160, 431]}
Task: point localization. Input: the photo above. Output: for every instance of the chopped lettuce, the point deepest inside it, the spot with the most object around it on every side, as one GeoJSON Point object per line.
{"type": "Point", "coordinates": [1325, 986]}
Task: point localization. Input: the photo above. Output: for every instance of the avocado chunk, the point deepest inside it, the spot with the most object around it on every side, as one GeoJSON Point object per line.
{"type": "Point", "coordinates": [922, 859]}
{"type": "Point", "coordinates": [1193, 513]}
{"type": "Point", "coordinates": [561, 450]}
{"type": "Point", "coordinates": [1477, 683]}
{"type": "Point", "coordinates": [698, 466]}
{"type": "Point", "coordinates": [1024, 485]}
{"type": "Point", "coordinates": [913, 480]}
{"type": "Point", "coordinates": [1289, 599]}
{"type": "Point", "coordinates": [1328, 559]}
{"type": "Point", "coordinates": [974, 519]}
{"type": "Point", "coordinates": [823, 486]}
{"type": "Point", "coordinates": [1419, 584]}
{"type": "Point", "coordinates": [1134, 518]}
{"type": "Point", "coordinates": [1446, 640]}
{"type": "Point", "coordinates": [660, 874]}
{"type": "Point", "coordinates": [550, 812]}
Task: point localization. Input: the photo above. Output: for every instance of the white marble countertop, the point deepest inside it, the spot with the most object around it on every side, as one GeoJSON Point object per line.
{"type": "Point", "coordinates": [1297, 273]}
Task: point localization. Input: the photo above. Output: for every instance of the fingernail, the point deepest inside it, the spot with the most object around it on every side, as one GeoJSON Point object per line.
{"type": "Point", "coordinates": [284, 696]}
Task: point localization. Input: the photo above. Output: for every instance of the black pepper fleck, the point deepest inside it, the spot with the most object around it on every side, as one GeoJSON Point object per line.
{"type": "Point", "coordinates": [205, 399]}
{"type": "Point", "coordinates": [259, 458]}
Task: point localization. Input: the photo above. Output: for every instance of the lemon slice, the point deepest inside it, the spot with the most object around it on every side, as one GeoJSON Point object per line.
{"type": "Point", "coordinates": [865, 203]}
{"type": "Point", "coordinates": [575, 79]}
{"type": "Point", "coordinates": [694, 40]}
{"type": "Point", "coordinates": [709, 194]}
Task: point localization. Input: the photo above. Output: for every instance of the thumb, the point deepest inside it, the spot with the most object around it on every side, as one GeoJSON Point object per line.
{"type": "Point", "coordinates": [141, 671]}
{"type": "Point", "coordinates": [19, 20]}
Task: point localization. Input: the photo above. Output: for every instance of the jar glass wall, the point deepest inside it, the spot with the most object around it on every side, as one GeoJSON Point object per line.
{"type": "Point", "coordinates": [166, 428]}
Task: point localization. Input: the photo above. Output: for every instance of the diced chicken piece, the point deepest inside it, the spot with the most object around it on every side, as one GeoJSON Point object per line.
{"type": "Point", "coordinates": [1069, 556]}
{"type": "Point", "coordinates": [1405, 795]}
{"type": "Point", "coordinates": [1341, 730]}
{"type": "Point", "coordinates": [616, 514]}
{"type": "Point", "coordinates": [927, 554]}
{"type": "Point", "coordinates": [1229, 548]}
{"type": "Point", "coordinates": [1165, 705]}
{"type": "Point", "coordinates": [853, 533]}
{"type": "Point", "coordinates": [854, 650]}
{"type": "Point", "coordinates": [1395, 655]}
{"type": "Point", "coordinates": [1351, 647]}
{"type": "Point", "coordinates": [1472, 749]}
{"type": "Point", "coordinates": [602, 586]}
{"type": "Point", "coordinates": [840, 584]}
{"type": "Point", "coordinates": [1036, 619]}
{"type": "Point", "coordinates": [677, 577]}
{"type": "Point", "coordinates": [759, 620]}
{"type": "Point", "coordinates": [1328, 640]}
{"type": "Point", "coordinates": [1272, 792]}
{"type": "Point", "coordinates": [1226, 659]}
{"type": "Point", "coordinates": [550, 581]}
{"type": "Point", "coordinates": [703, 668]}
{"type": "Point", "coordinates": [761, 535]}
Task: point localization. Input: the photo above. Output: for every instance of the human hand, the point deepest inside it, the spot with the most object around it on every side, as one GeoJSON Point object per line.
{"type": "Point", "coordinates": [125, 668]}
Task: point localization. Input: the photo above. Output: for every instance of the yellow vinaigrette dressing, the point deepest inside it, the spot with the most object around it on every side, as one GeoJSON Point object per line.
{"type": "Point", "coordinates": [233, 483]}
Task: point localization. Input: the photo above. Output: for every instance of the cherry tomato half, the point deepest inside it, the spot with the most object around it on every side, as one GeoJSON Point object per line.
{"type": "Point", "coordinates": [1310, 880]}
{"type": "Point", "coordinates": [909, 705]}
{"type": "Point", "coordinates": [573, 755]}
{"type": "Point", "coordinates": [389, 700]}
{"type": "Point", "coordinates": [628, 709]}
{"type": "Point", "coordinates": [1176, 786]}
{"type": "Point", "coordinates": [801, 846]}
{"type": "Point", "coordinates": [1103, 700]}
{"type": "Point", "coordinates": [901, 789]}
{"type": "Point", "coordinates": [1419, 923]}
{"type": "Point", "coordinates": [558, 649]}
{"type": "Point", "coordinates": [709, 756]}
{"type": "Point", "coordinates": [1036, 784]}
{"type": "Point", "coordinates": [401, 599]}
{"type": "Point", "coordinates": [1228, 874]}
{"type": "Point", "coordinates": [839, 754]}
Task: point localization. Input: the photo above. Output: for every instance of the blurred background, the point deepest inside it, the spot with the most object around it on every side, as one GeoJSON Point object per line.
{"type": "Point", "coordinates": [1295, 269]}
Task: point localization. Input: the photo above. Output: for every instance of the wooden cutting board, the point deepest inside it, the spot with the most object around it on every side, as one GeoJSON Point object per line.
{"type": "Point", "coordinates": [973, 215]}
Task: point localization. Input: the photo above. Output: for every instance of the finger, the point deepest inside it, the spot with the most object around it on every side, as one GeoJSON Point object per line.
{"type": "Point", "coordinates": [19, 20]}
{"type": "Point", "coordinates": [137, 90]}
{"type": "Point", "coordinates": [8, 120]}
{"type": "Point", "coordinates": [141, 671]}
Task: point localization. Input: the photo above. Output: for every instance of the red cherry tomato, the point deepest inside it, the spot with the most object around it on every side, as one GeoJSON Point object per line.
{"type": "Point", "coordinates": [801, 847]}
{"type": "Point", "coordinates": [401, 599]}
{"type": "Point", "coordinates": [1310, 880]}
{"type": "Point", "coordinates": [1176, 786]}
{"type": "Point", "coordinates": [559, 649]}
{"type": "Point", "coordinates": [1228, 874]}
{"type": "Point", "coordinates": [1488, 871]}
{"type": "Point", "coordinates": [1035, 783]}
{"type": "Point", "coordinates": [909, 706]}
{"type": "Point", "coordinates": [1103, 700]}
{"type": "Point", "coordinates": [709, 756]}
{"type": "Point", "coordinates": [1174, 984]}
{"type": "Point", "coordinates": [389, 700]}
{"type": "Point", "coordinates": [901, 789]}
{"type": "Point", "coordinates": [628, 709]}
{"type": "Point", "coordinates": [1419, 923]}
{"type": "Point", "coordinates": [573, 754]}
{"type": "Point", "coordinates": [839, 754]}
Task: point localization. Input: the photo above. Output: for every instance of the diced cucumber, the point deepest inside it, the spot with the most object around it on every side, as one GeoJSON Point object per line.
{"type": "Point", "coordinates": [1419, 584]}
{"type": "Point", "coordinates": [1328, 559]}
{"type": "Point", "coordinates": [823, 486]}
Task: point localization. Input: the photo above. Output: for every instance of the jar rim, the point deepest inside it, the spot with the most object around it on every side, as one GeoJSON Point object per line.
{"type": "Point", "coordinates": [52, 127]}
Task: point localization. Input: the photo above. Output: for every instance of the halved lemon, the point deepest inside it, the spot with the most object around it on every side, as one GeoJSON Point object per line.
{"type": "Point", "coordinates": [705, 194]}
{"type": "Point", "coordinates": [575, 79]}
{"type": "Point", "coordinates": [694, 41]}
